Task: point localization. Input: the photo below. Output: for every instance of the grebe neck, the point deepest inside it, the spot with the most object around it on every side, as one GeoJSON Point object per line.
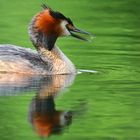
{"type": "Point", "coordinates": [57, 61]}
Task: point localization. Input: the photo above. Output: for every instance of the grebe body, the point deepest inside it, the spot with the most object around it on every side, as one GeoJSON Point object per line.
{"type": "Point", "coordinates": [15, 59]}
{"type": "Point", "coordinates": [44, 29]}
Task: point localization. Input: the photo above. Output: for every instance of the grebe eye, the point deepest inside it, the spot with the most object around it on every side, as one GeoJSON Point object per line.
{"type": "Point", "coordinates": [70, 21]}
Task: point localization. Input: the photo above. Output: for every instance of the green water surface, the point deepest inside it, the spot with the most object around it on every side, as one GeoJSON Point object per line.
{"type": "Point", "coordinates": [107, 103]}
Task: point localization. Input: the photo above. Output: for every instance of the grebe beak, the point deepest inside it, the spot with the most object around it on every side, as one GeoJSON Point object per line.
{"type": "Point", "coordinates": [80, 34]}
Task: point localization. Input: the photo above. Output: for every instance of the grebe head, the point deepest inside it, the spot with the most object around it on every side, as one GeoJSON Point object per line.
{"type": "Point", "coordinates": [48, 25]}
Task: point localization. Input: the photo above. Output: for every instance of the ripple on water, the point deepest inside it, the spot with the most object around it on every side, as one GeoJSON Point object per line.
{"type": "Point", "coordinates": [80, 71]}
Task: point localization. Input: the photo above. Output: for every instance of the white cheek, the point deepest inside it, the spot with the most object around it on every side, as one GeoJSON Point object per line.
{"type": "Point", "coordinates": [64, 29]}
{"type": "Point", "coordinates": [63, 120]}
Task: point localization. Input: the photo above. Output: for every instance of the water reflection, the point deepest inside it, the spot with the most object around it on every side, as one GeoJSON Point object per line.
{"type": "Point", "coordinates": [15, 84]}
{"type": "Point", "coordinates": [45, 119]}
{"type": "Point", "coordinates": [43, 115]}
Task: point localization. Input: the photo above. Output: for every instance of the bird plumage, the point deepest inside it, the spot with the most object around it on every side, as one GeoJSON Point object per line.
{"type": "Point", "coordinates": [15, 59]}
{"type": "Point", "coordinates": [44, 29]}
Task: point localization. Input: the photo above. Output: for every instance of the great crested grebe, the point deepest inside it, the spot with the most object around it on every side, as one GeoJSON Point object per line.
{"type": "Point", "coordinates": [44, 30]}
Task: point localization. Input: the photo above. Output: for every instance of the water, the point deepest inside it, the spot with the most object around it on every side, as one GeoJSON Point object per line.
{"type": "Point", "coordinates": [102, 101]}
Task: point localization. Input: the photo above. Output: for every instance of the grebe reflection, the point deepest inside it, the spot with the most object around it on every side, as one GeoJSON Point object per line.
{"type": "Point", "coordinates": [44, 117]}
